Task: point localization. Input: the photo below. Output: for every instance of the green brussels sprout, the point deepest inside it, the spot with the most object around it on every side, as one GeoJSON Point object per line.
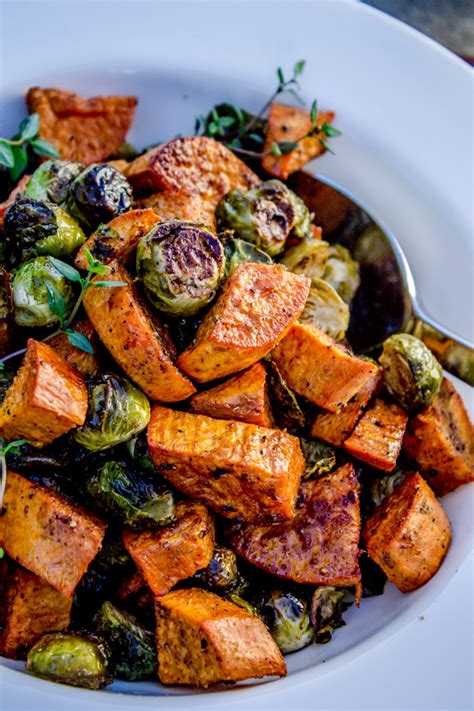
{"type": "Point", "coordinates": [181, 265]}
{"type": "Point", "coordinates": [320, 458]}
{"type": "Point", "coordinates": [285, 407]}
{"type": "Point", "coordinates": [412, 374]}
{"type": "Point", "coordinates": [264, 216]}
{"type": "Point", "coordinates": [139, 452]}
{"type": "Point", "coordinates": [308, 257]}
{"type": "Point", "coordinates": [133, 648]}
{"type": "Point", "coordinates": [116, 412]}
{"type": "Point", "coordinates": [325, 309]}
{"type": "Point", "coordinates": [222, 573]}
{"type": "Point", "coordinates": [135, 497]}
{"type": "Point", "coordinates": [342, 272]}
{"type": "Point", "coordinates": [98, 194]}
{"type": "Point", "coordinates": [31, 301]}
{"type": "Point", "coordinates": [327, 607]}
{"type": "Point", "coordinates": [287, 617]}
{"type": "Point", "coordinates": [237, 252]}
{"type": "Point", "coordinates": [382, 486]}
{"type": "Point", "coordinates": [70, 658]}
{"type": "Point", "coordinates": [51, 181]}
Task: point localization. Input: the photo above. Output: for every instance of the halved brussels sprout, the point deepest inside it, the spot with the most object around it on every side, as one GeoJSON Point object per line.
{"type": "Point", "coordinates": [133, 648]}
{"type": "Point", "coordinates": [320, 458]}
{"type": "Point", "coordinates": [287, 617]}
{"type": "Point", "coordinates": [308, 257]}
{"type": "Point", "coordinates": [181, 265]}
{"type": "Point", "coordinates": [52, 179]}
{"type": "Point", "coordinates": [342, 272]}
{"type": "Point", "coordinates": [285, 407]}
{"type": "Point", "coordinates": [327, 606]}
{"type": "Point", "coordinates": [412, 374]}
{"type": "Point", "coordinates": [134, 496]}
{"type": "Point", "coordinates": [70, 658]}
{"type": "Point", "coordinates": [98, 194]}
{"type": "Point", "coordinates": [382, 486]}
{"type": "Point", "coordinates": [222, 573]}
{"type": "Point", "coordinates": [325, 309]}
{"type": "Point", "coordinates": [116, 412]}
{"type": "Point", "coordinates": [139, 452]}
{"type": "Point", "coordinates": [237, 252]}
{"type": "Point", "coordinates": [31, 298]}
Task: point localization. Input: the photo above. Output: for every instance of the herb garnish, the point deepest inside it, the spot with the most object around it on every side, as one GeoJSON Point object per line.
{"type": "Point", "coordinates": [16, 152]}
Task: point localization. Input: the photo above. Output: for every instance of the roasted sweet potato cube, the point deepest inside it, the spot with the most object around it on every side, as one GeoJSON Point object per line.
{"type": "Point", "coordinates": [288, 124]}
{"type": "Point", "coordinates": [181, 205]}
{"type": "Point", "coordinates": [118, 239]}
{"type": "Point", "coordinates": [409, 534]}
{"type": "Point", "coordinates": [86, 130]}
{"type": "Point", "coordinates": [441, 440]}
{"type": "Point", "coordinates": [32, 608]}
{"type": "Point", "coordinates": [47, 398]}
{"type": "Point", "coordinates": [47, 534]}
{"type": "Point", "coordinates": [243, 397]}
{"type": "Point", "coordinates": [239, 470]}
{"type": "Point", "coordinates": [255, 309]}
{"type": "Point", "coordinates": [320, 545]}
{"type": "Point", "coordinates": [318, 368]}
{"type": "Point", "coordinates": [85, 363]}
{"type": "Point", "coordinates": [195, 164]}
{"type": "Point", "coordinates": [134, 339]}
{"type": "Point", "coordinates": [378, 436]}
{"type": "Point", "coordinates": [203, 639]}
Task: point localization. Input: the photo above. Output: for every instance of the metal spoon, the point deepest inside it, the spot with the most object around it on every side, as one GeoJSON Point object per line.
{"type": "Point", "coordinates": [386, 302]}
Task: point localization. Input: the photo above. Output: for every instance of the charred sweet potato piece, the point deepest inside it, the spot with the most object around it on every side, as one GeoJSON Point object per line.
{"type": "Point", "coordinates": [47, 398]}
{"type": "Point", "coordinates": [47, 534]}
{"type": "Point", "coordinates": [203, 639]}
{"type": "Point", "coordinates": [255, 309]}
{"type": "Point", "coordinates": [166, 555]}
{"type": "Point", "coordinates": [85, 363]}
{"type": "Point", "coordinates": [181, 205]}
{"type": "Point", "coordinates": [335, 427]}
{"type": "Point", "coordinates": [409, 534]}
{"type": "Point", "coordinates": [133, 339]}
{"type": "Point", "coordinates": [320, 545]}
{"type": "Point", "coordinates": [378, 436]}
{"type": "Point", "coordinates": [119, 238]}
{"type": "Point", "coordinates": [86, 130]}
{"type": "Point", "coordinates": [243, 397]}
{"type": "Point", "coordinates": [196, 164]}
{"type": "Point", "coordinates": [441, 440]}
{"type": "Point", "coordinates": [32, 608]}
{"type": "Point", "coordinates": [239, 470]}
{"type": "Point", "coordinates": [288, 124]}
{"type": "Point", "coordinates": [318, 368]}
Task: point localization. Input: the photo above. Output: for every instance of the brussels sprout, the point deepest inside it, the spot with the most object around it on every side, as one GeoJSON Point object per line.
{"type": "Point", "coordinates": [382, 486]}
{"type": "Point", "coordinates": [116, 412]}
{"type": "Point", "coordinates": [264, 216]}
{"type": "Point", "coordinates": [51, 181]}
{"type": "Point", "coordinates": [285, 407]}
{"type": "Point", "coordinates": [237, 252]}
{"type": "Point", "coordinates": [222, 574]}
{"type": "Point", "coordinates": [139, 452]}
{"type": "Point", "coordinates": [287, 617]}
{"type": "Point", "coordinates": [327, 607]}
{"type": "Point", "coordinates": [373, 577]}
{"type": "Point", "coordinates": [6, 379]}
{"type": "Point", "coordinates": [320, 458]}
{"type": "Point", "coordinates": [125, 152]}
{"type": "Point", "coordinates": [325, 309]}
{"type": "Point", "coordinates": [133, 649]}
{"type": "Point", "coordinates": [342, 272]}
{"type": "Point", "coordinates": [412, 374]}
{"type": "Point", "coordinates": [240, 602]}
{"type": "Point", "coordinates": [308, 258]}
{"type": "Point", "coordinates": [70, 658]}
{"type": "Point", "coordinates": [113, 556]}
{"type": "Point", "coordinates": [98, 194]}
{"type": "Point", "coordinates": [181, 265]}
{"type": "Point", "coordinates": [135, 497]}
{"type": "Point", "coordinates": [31, 300]}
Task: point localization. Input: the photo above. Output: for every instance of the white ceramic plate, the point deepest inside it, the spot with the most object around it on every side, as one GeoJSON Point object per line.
{"type": "Point", "coordinates": [404, 106]}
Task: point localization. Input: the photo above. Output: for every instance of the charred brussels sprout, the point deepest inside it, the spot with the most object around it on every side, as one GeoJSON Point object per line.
{"type": "Point", "coordinates": [70, 658]}
{"type": "Point", "coordinates": [320, 458]}
{"type": "Point", "coordinates": [383, 486]}
{"type": "Point", "coordinates": [52, 180]}
{"type": "Point", "coordinates": [287, 617]}
{"type": "Point", "coordinates": [237, 252]}
{"type": "Point", "coordinates": [412, 374]}
{"type": "Point", "coordinates": [133, 654]}
{"type": "Point", "coordinates": [133, 496]}
{"type": "Point", "coordinates": [285, 406]}
{"type": "Point", "coordinates": [31, 296]}
{"type": "Point", "coordinates": [325, 309]}
{"type": "Point", "coordinates": [98, 194]}
{"type": "Point", "coordinates": [222, 574]}
{"type": "Point", "coordinates": [139, 452]}
{"type": "Point", "coordinates": [116, 412]}
{"type": "Point", "coordinates": [373, 578]}
{"type": "Point", "coordinates": [308, 257]}
{"type": "Point", "coordinates": [327, 607]}
{"type": "Point", "coordinates": [342, 272]}
{"type": "Point", "coordinates": [181, 265]}
{"type": "Point", "coordinates": [6, 379]}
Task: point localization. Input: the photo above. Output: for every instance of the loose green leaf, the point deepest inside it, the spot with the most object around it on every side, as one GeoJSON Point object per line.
{"type": "Point", "coordinates": [29, 127]}
{"type": "Point", "coordinates": [20, 158]}
{"type": "Point", "coordinates": [66, 270]}
{"type": "Point", "coordinates": [56, 302]}
{"type": "Point", "coordinates": [6, 154]}
{"type": "Point", "coordinates": [43, 148]}
{"type": "Point", "coordinates": [108, 284]}
{"type": "Point", "coordinates": [79, 341]}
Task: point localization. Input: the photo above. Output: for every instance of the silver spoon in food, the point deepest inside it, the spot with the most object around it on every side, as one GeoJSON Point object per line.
{"type": "Point", "coordinates": [386, 301]}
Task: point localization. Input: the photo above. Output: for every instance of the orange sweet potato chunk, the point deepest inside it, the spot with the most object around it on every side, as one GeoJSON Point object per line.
{"type": "Point", "coordinates": [239, 470]}
{"type": "Point", "coordinates": [255, 309]}
{"type": "Point", "coordinates": [408, 536]}
{"type": "Point", "coordinates": [181, 205]}
{"type": "Point", "coordinates": [47, 534]}
{"type": "Point", "coordinates": [289, 123]}
{"type": "Point", "coordinates": [315, 366]}
{"type": "Point", "coordinates": [86, 130]}
{"type": "Point", "coordinates": [47, 398]}
{"type": "Point", "coordinates": [378, 436]}
{"type": "Point", "coordinates": [203, 639]}
{"type": "Point", "coordinates": [166, 555]}
{"type": "Point", "coordinates": [85, 363]}
{"type": "Point", "coordinates": [195, 164]}
{"type": "Point", "coordinates": [133, 339]}
{"type": "Point", "coordinates": [441, 440]}
{"type": "Point", "coordinates": [32, 608]}
{"type": "Point", "coordinates": [243, 397]}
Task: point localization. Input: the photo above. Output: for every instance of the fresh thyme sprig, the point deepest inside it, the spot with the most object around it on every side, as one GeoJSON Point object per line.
{"type": "Point", "coordinates": [5, 447]}
{"type": "Point", "coordinates": [16, 151]}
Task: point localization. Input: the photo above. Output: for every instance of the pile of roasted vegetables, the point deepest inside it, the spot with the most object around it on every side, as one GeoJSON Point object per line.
{"type": "Point", "coordinates": [198, 473]}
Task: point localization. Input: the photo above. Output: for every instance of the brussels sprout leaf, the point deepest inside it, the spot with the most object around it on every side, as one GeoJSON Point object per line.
{"type": "Point", "coordinates": [79, 341]}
